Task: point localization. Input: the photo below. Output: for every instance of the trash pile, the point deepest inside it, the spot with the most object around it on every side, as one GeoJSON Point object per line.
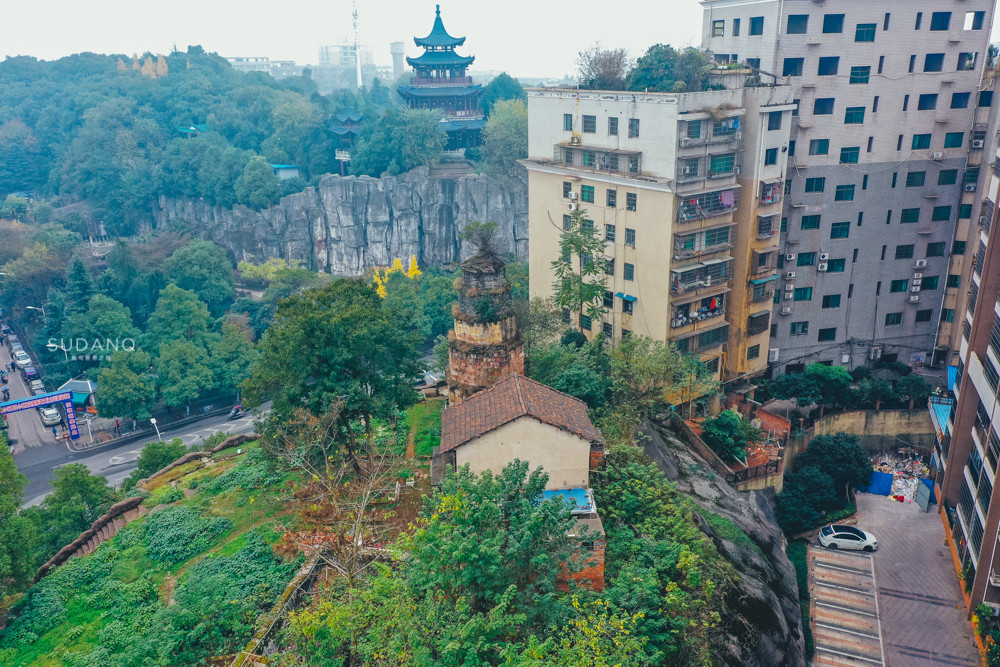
{"type": "Point", "coordinates": [906, 468]}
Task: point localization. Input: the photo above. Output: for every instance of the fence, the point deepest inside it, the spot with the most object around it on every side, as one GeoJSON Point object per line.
{"type": "Point", "coordinates": [756, 472]}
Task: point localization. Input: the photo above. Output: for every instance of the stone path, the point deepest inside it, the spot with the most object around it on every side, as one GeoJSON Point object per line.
{"type": "Point", "coordinates": [921, 607]}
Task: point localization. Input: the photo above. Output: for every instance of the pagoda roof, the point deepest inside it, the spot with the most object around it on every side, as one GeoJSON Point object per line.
{"type": "Point", "coordinates": [349, 116]}
{"type": "Point", "coordinates": [342, 131]}
{"type": "Point", "coordinates": [459, 124]}
{"type": "Point", "coordinates": [440, 91]}
{"type": "Point", "coordinates": [440, 59]}
{"type": "Point", "coordinates": [439, 36]}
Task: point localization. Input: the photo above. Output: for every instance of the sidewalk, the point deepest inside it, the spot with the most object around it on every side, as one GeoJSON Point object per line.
{"type": "Point", "coordinates": [84, 444]}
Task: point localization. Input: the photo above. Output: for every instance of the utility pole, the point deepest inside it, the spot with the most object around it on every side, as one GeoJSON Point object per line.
{"type": "Point", "coordinates": [357, 46]}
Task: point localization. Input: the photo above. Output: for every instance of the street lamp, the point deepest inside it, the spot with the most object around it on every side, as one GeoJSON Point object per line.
{"type": "Point", "coordinates": [153, 422]}
{"type": "Point", "coordinates": [42, 310]}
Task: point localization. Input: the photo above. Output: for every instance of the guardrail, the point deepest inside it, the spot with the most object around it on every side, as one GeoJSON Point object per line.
{"type": "Point", "coordinates": [756, 472]}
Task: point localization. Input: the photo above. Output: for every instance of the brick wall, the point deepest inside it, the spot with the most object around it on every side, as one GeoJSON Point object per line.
{"type": "Point", "coordinates": [591, 574]}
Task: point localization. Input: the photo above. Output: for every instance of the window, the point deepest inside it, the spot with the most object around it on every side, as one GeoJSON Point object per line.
{"type": "Point", "coordinates": [827, 334]}
{"type": "Point", "coordinates": [854, 115]}
{"type": "Point", "coordinates": [792, 67]}
{"type": "Point", "coordinates": [899, 286]}
{"type": "Point", "coordinates": [831, 301]}
{"type": "Point", "coordinates": [850, 154]}
{"type": "Point", "coordinates": [609, 266]}
{"type": "Point", "coordinates": [823, 106]}
{"type": "Point", "coordinates": [799, 328]}
{"type": "Point", "coordinates": [941, 214]}
{"type": "Point", "coordinates": [840, 230]}
{"type": "Point", "coordinates": [930, 283]}
{"type": "Point", "coordinates": [568, 122]}
{"type": "Point", "coordinates": [784, 224]}
{"type": "Point", "coordinates": [567, 189]}
{"type": "Point", "coordinates": [828, 66]}
{"type": "Point", "coordinates": [923, 316]}
{"type": "Point", "coordinates": [844, 193]}
{"type": "Point", "coordinates": [589, 158]}
{"type": "Point", "coordinates": [585, 322]}
{"type": "Point", "coordinates": [967, 61]}
{"type": "Point", "coordinates": [940, 20]}
{"type": "Point", "coordinates": [933, 62]}
{"type": "Point", "coordinates": [864, 32]}
{"type": "Point", "coordinates": [613, 125]}
{"type": "Point", "coordinates": [913, 63]}
{"type": "Point", "coordinates": [630, 237]}
{"type": "Point", "coordinates": [836, 265]}
{"type": "Point", "coordinates": [590, 124]}
{"type": "Point", "coordinates": [753, 352]}
{"type": "Point", "coordinates": [974, 20]}
{"type": "Point", "coordinates": [947, 314]}
{"type": "Point", "coordinates": [833, 23]}
{"type": "Point", "coordinates": [609, 300]}
{"type": "Point", "coordinates": [881, 63]}
{"type": "Point", "coordinates": [611, 198]}
{"type": "Point", "coordinates": [797, 24]}
{"type": "Point", "coordinates": [756, 25]}
{"type": "Point", "coordinates": [736, 27]}
{"type": "Point", "coordinates": [722, 164]}
{"type": "Point", "coordinates": [631, 201]}
{"type": "Point", "coordinates": [904, 251]}
{"type": "Point", "coordinates": [960, 100]}
{"type": "Point", "coordinates": [965, 211]}
{"type": "Point", "coordinates": [694, 129]}
{"type": "Point", "coordinates": [948, 177]}
{"type": "Point", "coordinates": [633, 128]}
{"type": "Point", "coordinates": [718, 28]}
{"type": "Point", "coordinates": [958, 248]}
{"type": "Point", "coordinates": [875, 104]}
{"type": "Point", "coordinates": [810, 222]}
{"type": "Point", "coordinates": [803, 294]}
{"type": "Point", "coordinates": [921, 142]}
{"type": "Point", "coordinates": [927, 101]}
{"type": "Point", "coordinates": [567, 222]}
{"type": "Point", "coordinates": [893, 319]}
{"type": "Point", "coordinates": [815, 184]}
{"type": "Point", "coordinates": [806, 259]}
{"type": "Point", "coordinates": [587, 193]}
{"type": "Point", "coordinates": [906, 102]}
{"type": "Point", "coordinates": [954, 139]}
{"type": "Point", "coordinates": [629, 273]}
{"type": "Point", "coordinates": [819, 146]}
{"type": "Point", "coordinates": [609, 233]}
{"type": "Point", "coordinates": [954, 280]}
{"type": "Point", "coordinates": [985, 98]}
{"type": "Point", "coordinates": [770, 156]}
{"type": "Point", "coordinates": [916, 24]}
{"type": "Point", "coordinates": [915, 179]}
{"type": "Point", "coordinates": [628, 307]}
{"type": "Point", "coordinates": [909, 215]}
{"type": "Point", "coordinates": [870, 141]}
{"type": "Point", "coordinates": [860, 74]}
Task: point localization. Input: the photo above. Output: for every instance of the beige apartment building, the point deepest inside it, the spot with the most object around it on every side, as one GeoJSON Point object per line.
{"type": "Point", "coordinates": [686, 189]}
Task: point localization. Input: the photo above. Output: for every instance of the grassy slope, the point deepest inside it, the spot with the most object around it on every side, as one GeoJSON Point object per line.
{"type": "Point", "coordinates": [245, 508]}
{"type": "Point", "coordinates": [424, 422]}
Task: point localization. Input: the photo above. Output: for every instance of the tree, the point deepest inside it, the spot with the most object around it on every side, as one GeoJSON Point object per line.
{"type": "Point", "coordinates": [804, 500]}
{"type": "Point", "coordinates": [875, 391]}
{"type": "Point", "coordinates": [105, 323]}
{"type": "Point", "coordinates": [232, 355]}
{"type": "Point", "coordinates": [506, 139]}
{"type": "Point", "coordinates": [842, 458]}
{"type": "Point", "coordinates": [77, 500]}
{"type": "Point", "coordinates": [154, 457]}
{"type": "Point", "coordinates": [583, 383]}
{"type": "Point", "coordinates": [257, 187]}
{"type": "Point", "coordinates": [337, 344]}
{"type": "Point", "coordinates": [14, 208]}
{"type": "Point", "coordinates": [502, 87]}
{"type": "Point", "coordinates": [664, 69]}
{"type": "Point", "coordinates": [603, 69]}
{"type": "Point", "coordinates": [180, 315]}
{"type": "Point", "coordinates": [127, 390]}
{"type": "Point", "coordinates": [18, 536]}
{"type": "Point", "coordinates": [820, 384]}
{"type": "Point", "coordinates": [203, 268]}
{"type": "Point", "coordinates": [729, 435]}
{"type": "Point", "coordinates": [79, 287]}
{"type": "Point", "coordinates": [583, 290]}
{"type": "Point", "coordinates": [184, 372]}
{"type": "Point", "coordinates": [646, 371]}
{"type": "Point", "coordinates": [913, 388]}
{"type": "Point", "coordinates": [399, 140]}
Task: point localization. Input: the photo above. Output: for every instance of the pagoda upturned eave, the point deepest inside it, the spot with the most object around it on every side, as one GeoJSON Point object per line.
{"type": "Point", "coordinates": [439, 59]}
{"type": "Point", "coordinates": [438, 36]}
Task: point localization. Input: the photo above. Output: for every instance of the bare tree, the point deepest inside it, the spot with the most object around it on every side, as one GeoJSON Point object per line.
{"type": "Point", "coordinates": [603, 69]}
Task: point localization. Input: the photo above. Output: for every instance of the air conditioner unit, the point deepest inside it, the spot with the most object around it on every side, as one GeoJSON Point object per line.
{"type": "Point", "coordinates": [823, 256]}
{"type": "Point", "coordinates": [786, 310]}
{"type": "Point", "coordinates": [789, 275]}
{"type": "Point", "coordinates": [575, 140]}
{"type": "Point", "coordinates": [822, 266]}
{"type": "Point", "coordinates": [845, 358]}
{"type": "Point", "coordinates": [915, 288]}
{"type": "Point", "coordinates": [914, 298]}
{"type": "Point", "coordinates": [977, 143]}
{"type": "Point", "coordinates": [790, 257]}
{"type": "Point", "coordinates": [937, 156]}
{"type": "Point", "coordinates": [573, 196]}
{"type": "Point", "coordinates": [970, 187]}
{"type": "Point", "coordinates": [917, 281]}
{"type": "Point", "coordinates": [919, 263]}
{"type": "Point", "coordinates": [875, 353]}
{"type": "Point", "coordinates": [789, 288]}
{"type": "Point", "coordinates": [772, 354]}
{"type": "Point", "coordinates": [789, 295]}
{"type": "Point", "coordinates": [917, 276]}
{"type": "Point", "coordinates": [572, 206]}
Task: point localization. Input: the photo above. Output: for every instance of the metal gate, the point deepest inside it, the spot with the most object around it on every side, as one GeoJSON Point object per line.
{"type": "Point", "coordinates": [925, 495]}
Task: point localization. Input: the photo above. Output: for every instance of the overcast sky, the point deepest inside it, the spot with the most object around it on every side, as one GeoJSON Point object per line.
{"type": "Point", "coordinates": [523, 37]}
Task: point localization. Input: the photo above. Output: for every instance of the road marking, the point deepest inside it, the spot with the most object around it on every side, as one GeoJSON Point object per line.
{"type": "Point", "coordinates": [125, 458]}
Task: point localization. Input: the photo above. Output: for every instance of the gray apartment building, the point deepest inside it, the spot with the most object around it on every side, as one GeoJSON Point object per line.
{"type": "Point", "coordinates": [883, 177]}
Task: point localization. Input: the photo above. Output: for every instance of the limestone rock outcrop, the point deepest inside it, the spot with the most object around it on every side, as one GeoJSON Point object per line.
{"type": "Point", "coordinates": [346, 225]}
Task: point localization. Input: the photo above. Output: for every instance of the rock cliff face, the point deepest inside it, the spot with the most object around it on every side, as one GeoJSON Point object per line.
{"type": "Point", "coordinates": [765, 622]}
{"type": "Point", "coordinates": [346, 225]}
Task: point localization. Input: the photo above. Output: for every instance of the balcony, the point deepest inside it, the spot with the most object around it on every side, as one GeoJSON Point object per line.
{"type": "Point", "coordinates": [700, 278]}
{"type": "Point", "coordinates": [768, 226]}
{"type": "Point", "coordinates": [440, 81]}
{"type": "Point", "coordinates": [698, 313]}
{"type": "Point", "coordinates": [762, 296]}
{"type": "Point", "coordinates": [713, 140]}
{"type": "Point", "coordinates": [707, 205]}
{"type": "Point", "coordinates": [598, 159]}
{"type": "Point", "coordinates": [771, 192]}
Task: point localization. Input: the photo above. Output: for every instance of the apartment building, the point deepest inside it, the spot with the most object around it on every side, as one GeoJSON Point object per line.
{"type": "Point", "coordinates": [685, 188]}
{"type": "Point", "coordinates": [968, 449]}
{"type": "Point", "coordinates": [884, 183]}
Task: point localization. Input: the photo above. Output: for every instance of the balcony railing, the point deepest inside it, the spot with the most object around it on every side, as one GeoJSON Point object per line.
{"type": "Point", "coordinates": [707, 205]}
{"type": "Point", "coordinates": [681, 319]}
{"type": "Point", "coordinates": [701, 278]}
{"type": "Point", "coordinates": [756, 472]}
{"type": "Point", "coordinates": [771, 193]}
{"type": "Point", "coordinates": [986, 215]}
{"type": "Point", "coordinates": [440, 80]}
{"type": "Point", "coordinates": [598, 159]}
{"type": "Point", "coordinates": [726, 138]}
{"type": "Point", "coordinates": [766, 295]}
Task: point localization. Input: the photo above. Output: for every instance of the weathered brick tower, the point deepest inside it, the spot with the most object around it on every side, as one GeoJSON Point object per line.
{"type": "Point", "coordinates": [485, 344]}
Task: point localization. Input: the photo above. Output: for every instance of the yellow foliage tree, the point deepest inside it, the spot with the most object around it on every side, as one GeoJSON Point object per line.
{"type": "Point", "coordinates": [380, 277]}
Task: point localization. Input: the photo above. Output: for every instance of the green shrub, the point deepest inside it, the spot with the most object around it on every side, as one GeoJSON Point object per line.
{"type": "Point", "coordinates": [41, 609]}
{"type": "Point", "coordinates": [178, 533]}
{"type": "Point", "coordinates": [171, 496]}
{"type": "Point", "coordinates": [798, 553]}
{"type": "Point", "coordinates": [255, 471]}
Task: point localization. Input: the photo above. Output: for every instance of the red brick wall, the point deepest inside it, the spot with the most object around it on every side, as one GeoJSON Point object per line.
{"type": "Point", "coordinates": [591, 575]}
{"type": "Point", "coordinates": [775, 423]}
{"type": "Point", "coordinates": [480, 370]}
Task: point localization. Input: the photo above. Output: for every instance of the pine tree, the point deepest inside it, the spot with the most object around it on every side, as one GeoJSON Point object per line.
{"type": "Point", "coordinates": [79, 287]}
{"type": "Point", "coordinates": [161, 67]}
{"type": "Point", "coordinates": [121, 65]}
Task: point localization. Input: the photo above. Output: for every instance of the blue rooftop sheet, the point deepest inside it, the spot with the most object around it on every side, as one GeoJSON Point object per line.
{"type": "Point", "coordinates": [576, 496]}
{"type": "Point", "coordinates": [940, 412]}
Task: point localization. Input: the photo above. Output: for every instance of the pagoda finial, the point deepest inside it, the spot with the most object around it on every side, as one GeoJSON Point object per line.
{"type": "Point", "coordinates": [437, 8]}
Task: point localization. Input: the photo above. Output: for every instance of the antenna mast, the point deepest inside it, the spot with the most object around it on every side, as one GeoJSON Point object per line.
{"type": "Point", "coordinates": [357, 46]}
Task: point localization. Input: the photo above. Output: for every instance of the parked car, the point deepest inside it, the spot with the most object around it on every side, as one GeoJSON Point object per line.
{"type": "Point", "coordinates": [37, 387]}
{"type": "Point", "coordinates": [12, 340]}
{"type": "Point", "coordinates": [22, 358]}
{"type": "Point", "coordinates": [837, 536]}
{"type": "Point", "coordinates": [29, 373]}
{"type": "Point", "coordinates": [50, 416]}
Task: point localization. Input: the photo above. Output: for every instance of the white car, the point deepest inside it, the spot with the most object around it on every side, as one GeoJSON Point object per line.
{"type": "Point", "coordinates": [37, 387]}
{"type": "Point", "coordinates": [837, 536]}
{"type": "Point", "coordinates": [50, 416]}
{"type": "Point", "coordinates": [22, 359]}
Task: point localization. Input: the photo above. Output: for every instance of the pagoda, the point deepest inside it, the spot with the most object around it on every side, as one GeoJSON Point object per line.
{"type": "Point", "coordinates": [441, 83]}
{"type": "Point", "coordinates": [347, 128]}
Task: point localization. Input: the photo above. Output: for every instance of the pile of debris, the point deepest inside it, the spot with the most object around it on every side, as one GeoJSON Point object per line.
{"type": "Point", "coordinates": [906, 468]}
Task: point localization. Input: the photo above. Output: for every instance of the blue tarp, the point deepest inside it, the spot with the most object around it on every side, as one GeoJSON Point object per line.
{"type": "Point", "coordinates": [952, 375]}
{"type": "Point", "coordinates": [881, 484]}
